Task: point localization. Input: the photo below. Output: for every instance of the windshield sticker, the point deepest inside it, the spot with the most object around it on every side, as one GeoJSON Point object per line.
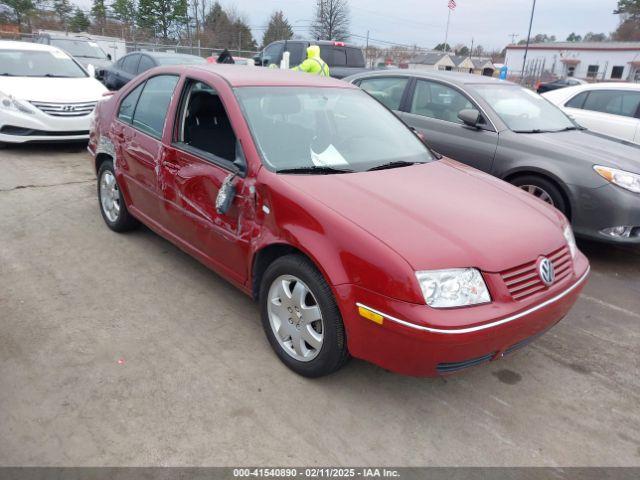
{"type": "Point", "coordinates": [59, 54]}
{"type": "Point", "coordinates": [329, 158]}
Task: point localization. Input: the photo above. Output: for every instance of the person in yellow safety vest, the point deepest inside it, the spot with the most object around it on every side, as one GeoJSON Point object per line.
{"type": "Point", "coordinates": [313, 64]}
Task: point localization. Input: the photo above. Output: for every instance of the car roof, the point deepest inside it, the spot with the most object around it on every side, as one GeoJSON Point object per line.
{"type": "Point", "coordinates": [14, 45]}
{"type": "Point", "coordinates": [457, 78]}
{"type": "Point", "coordinates": [608, 86]}
{"type": "Point", "coordinates": [240, 76]}
{"type": "Point", "coordinates": [165, 54]}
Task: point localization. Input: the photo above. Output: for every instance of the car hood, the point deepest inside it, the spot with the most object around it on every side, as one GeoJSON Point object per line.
{"type": "Point", "coordinates": [585, 145]}
{"type": "Point", "coordinates": [63, 90]}
{"type": "Point", "coordinates": [442, 214]}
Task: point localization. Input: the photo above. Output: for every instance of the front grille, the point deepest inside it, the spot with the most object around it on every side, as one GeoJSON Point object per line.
{"type": "Point", "coordinates": [451, 367]}
{"type": "Point", "coordinates": [66, 109]}
{"type": "Point", "coordinates": [29, 132]}
{"type": "Point", "coordinates": [523, 281]}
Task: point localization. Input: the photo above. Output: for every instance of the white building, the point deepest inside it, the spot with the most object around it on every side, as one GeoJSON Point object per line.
{"type": "Point", "coordinates": [432, 61]}
{"type": "Point", "coordinates": [598, 61]}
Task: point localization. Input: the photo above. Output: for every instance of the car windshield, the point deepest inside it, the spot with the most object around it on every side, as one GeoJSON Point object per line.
{"type": "Point", "coordinates": [79, 48]}
{"type": "Point", "coordinates": [180, 60]}
{"type": "Point", "coordinates": [326, 129]}
{"type": "Point", "coordinates": [37, 63]}
{"type": "Point", "coordinates": [523, 110]}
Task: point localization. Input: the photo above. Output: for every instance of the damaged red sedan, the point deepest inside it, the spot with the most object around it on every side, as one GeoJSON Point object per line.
{"type": "Point", "coordinates": [315, 200]}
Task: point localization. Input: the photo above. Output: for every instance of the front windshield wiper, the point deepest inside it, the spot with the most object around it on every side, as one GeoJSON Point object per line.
{"type": "Point", "coordinates": [7, 74]}
{"type": "Point", "coordinates": [534, 130]}
{"type": "Point", "coordinates": [53, 75]}
{"type": "Point", "coordinates": [568, 129]}
{"type": "Point", "coordinates": [314, 169]}
{"type": "Point", "coordinates": [396, 164]}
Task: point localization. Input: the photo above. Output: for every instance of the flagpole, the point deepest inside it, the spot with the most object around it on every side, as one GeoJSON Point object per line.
{"type": "Point", "coordinates": [446, 35]}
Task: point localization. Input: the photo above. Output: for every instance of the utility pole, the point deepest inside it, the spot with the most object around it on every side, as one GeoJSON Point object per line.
{"type": "Point", "coordinates": [471, 52]}
{"type": "Point", "coordinates": [446, 35]}
{"type": "Point", "coordinates": [526, 49]}
{"type": "Point", "coordinates": [367, 48]}
{"type": "Point", "coordinates": [513, 37]}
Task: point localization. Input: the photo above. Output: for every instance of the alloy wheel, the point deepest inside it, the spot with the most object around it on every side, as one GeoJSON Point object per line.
{"type": "Point", "coordinates": [109, 196]}
{"type": "Point", "coordinates": [295, 318]}
{"type": "Point", "coordinates": [538, 193]}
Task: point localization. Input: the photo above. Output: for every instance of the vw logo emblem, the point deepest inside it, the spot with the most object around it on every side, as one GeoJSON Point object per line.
{"type": "Point", "coordinates": [545, 271]}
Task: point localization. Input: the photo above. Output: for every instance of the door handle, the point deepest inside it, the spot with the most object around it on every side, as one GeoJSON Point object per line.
{"type": "Point", "coordinates": [171, 167]}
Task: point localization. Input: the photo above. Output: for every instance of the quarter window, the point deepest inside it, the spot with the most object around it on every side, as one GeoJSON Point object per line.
{"type": "Point", "coordinates": [387, 90]}
{"type": "Point", "coordinates": [614, 102]}
{"type": "Point", "coordinates": [577, 101]}
{"type": "Point", "coordinates": [128, 105]}
{"type": "Point", "coordinates": [438, 101]}
{"type": "Point", "coordinates": [151, 111]}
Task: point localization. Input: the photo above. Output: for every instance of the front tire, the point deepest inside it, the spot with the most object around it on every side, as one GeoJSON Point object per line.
{"type": "Point", "coordinates": [543, 189]}
{"type": "Point", "coordinates": [301, 319]}
{"type": "Point", "coordinates": [112, 205]}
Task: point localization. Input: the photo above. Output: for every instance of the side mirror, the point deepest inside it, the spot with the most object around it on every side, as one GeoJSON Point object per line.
{"type": "Point", "coordinates": [109, 56]}
{"type": "Point", "coordinates": [226, 194]}
{"type": "Point", "coordinates": [266, 61]}
{"type": "Point", "coordinates": [471, 118]}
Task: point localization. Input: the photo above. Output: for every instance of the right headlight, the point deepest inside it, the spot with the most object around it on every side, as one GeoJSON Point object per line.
{"type": "Point", "coordinates": [571, 240]}
{"type": "Point", "coordinates": [10, 103]}
{"type": "Point", "coordinates": [627, 180]}
{"type": "Point", "coordinates": [457, 287]}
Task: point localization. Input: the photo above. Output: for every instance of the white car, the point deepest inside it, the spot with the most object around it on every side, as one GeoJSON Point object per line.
{"type": "Point", "coordinates": [45, 95]}
{"type": "Point", "coordinates": [609, 108]}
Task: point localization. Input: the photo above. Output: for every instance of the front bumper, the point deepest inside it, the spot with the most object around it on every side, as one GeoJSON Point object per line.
{"type": "Point", "coordinates": [419, 341]}
{"type": "Point", "coordinates": [18, 127]}
{"type": "Point", "coordinates": [605, 207]}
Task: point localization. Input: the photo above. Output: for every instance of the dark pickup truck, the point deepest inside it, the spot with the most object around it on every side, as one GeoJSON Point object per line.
{"type": "Point", "coordinates": [343, 59]}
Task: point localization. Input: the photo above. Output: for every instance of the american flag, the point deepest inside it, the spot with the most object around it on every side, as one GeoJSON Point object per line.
{"type": "Point", "coordinates": [452, 4]}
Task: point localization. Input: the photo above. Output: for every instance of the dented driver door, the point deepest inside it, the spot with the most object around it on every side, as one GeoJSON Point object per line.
{"type": "Point", "coordinates": [189, 186]}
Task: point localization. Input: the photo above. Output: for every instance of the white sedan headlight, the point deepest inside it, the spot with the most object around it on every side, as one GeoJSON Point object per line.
{"type": "Point", "coordinates": [627, 180]}
{"type": "Point", "coordinates": [571, 240]}
{"type": "Point", "coordinates": [457, 287]}
{"type": "Point", "coordinates": [10, 103]}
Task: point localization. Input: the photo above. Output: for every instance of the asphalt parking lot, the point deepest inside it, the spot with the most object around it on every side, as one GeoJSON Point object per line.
{"type": "Point", "coordinates": [122, 350]}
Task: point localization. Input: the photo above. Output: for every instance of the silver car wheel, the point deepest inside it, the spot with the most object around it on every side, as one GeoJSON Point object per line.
{"type": "Point", "coordinates": [295, 318]}
{"type": "Point", "coordinates": [539, 193]}
{"type": "Point", "coordinates": [109, 196]}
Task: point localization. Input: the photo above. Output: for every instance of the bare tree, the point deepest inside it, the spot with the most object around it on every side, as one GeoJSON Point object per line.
{"type": "Point", "coordinates": [332, 19]}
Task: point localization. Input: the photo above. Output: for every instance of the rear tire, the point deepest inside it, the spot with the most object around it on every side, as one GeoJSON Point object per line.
{"type": "Point", "coordinates": [297, 306]}
{"type": "Point", "coordinates": [112, 205]}
{"type": "Point", "coordinates": [543, 189]}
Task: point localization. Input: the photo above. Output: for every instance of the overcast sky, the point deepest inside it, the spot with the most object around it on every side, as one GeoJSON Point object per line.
{"type": "Point", "coordinates": [423, 22]}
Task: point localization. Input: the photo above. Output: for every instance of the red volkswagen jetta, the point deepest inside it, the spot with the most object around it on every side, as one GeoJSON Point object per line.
{"type": "Point", "coordinates": [315, 200]}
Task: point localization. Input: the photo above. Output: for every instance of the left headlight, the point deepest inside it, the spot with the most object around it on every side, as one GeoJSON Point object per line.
{"type": "Point", "coordinates": [627, 180]}
{"type": "Point", "coordinates": [10, 103]}
{"type": "Point", "coordinates": [571, 240]}
{"type": "Point", "coordinates": [457, 287]}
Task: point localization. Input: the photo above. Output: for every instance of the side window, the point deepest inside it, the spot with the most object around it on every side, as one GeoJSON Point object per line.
{"type": "Point", "coordinates": [297, 53]}
{"type": "Point", "coordinates": [387, 90]}
{"type": "Point", "coordinates": [577, 101]}
{"type": "Point", "coordinates": [151, 111]}
{"type": "Point", "coordinates": [355, 58]}
{"type": "Point", "coordinates": [145, 64]}
{"type": "Point", "coordinates": [205, 125]}
{"type": "Point", "coordinates": [273, 53]}
{"type": "Point", "coordinates": [339, 58]}
{"type": "Point", "coordinates": [130, 63]}
{"type": "Point", "coordinates": [438, 101]}
{"type": "Point", "coordinates": [613, 102]}
{"type": "Point", "coordinates": [128, 105]}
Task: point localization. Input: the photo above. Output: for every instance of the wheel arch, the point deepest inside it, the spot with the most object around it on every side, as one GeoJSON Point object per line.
{"type": "Point", "coordinates": [511, 175]}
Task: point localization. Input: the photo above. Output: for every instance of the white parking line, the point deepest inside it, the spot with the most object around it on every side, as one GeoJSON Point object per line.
{"type": "Point", "coordinates": [611, 306]}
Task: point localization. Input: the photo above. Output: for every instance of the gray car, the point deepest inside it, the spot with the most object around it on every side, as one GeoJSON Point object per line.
{"type": "Point", "coordinates": [515, 134]}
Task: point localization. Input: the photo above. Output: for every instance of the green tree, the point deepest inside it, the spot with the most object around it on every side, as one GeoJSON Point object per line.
{"type": "Point", "coordinates": [277, 29]}
{"type": "Point", "coordinates": [596, 37]}
{"type": "Point", "coordinates": [99, 12]}
{"type": "Point", "coordinates": [63, 9]}
{"type": "Point", "coordinates": [442, 47]}
{"type": "Point", "coordinates": [463, 52]}
{"type": "Point", "coordinates": [229, 29]}
{"type": "Point", "coordinates": [573, 37]}
{"type": "Point", "coordinates": [21, 8]}
{"type": "Point", "coordinates": [165, 17]}
{"type": "Point", "coordinates": [124, 10]}
{"type": "Point", "coordinates": [79, 21]}
{"type": "Point", "coordinates": [629, 28]}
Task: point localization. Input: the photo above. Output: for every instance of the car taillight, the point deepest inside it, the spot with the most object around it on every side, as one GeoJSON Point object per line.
{"type": "Point", "coordinates": [339, 44]}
